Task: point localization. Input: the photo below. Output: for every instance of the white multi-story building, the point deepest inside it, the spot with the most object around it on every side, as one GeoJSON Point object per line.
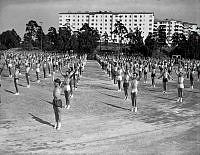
{"type": "Point", "coordinates": [198, 30]}
{"type": "Point", "coordinates": [188, 28]}
{"type": "Point", "coordinates": [171, 26]}
{"type": "Point", "coordinates": [104, 21]}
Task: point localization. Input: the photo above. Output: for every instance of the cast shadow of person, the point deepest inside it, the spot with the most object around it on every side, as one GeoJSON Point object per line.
{"type": "Point", "coordinates": [40, 120]}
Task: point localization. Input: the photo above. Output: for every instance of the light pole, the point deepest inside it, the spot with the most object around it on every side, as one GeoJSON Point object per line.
{"type": "Point", "coordinates": [41, 34]}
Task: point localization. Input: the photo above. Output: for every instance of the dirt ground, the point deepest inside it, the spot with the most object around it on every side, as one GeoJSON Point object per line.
{"type": "Point", "coordinates": [99, 120]}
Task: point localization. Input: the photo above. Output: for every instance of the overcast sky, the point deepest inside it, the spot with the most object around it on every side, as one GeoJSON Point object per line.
{"type": "Point", "coordinates": [16, 13]}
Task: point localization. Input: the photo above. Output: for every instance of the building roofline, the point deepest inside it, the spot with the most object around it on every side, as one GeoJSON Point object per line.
{"type": "Point", "coordinates": [171, 19]}
{"type": "Point", "coordinates": [106, 12]}
{"type": "Point", "coordinates": [189, 23]}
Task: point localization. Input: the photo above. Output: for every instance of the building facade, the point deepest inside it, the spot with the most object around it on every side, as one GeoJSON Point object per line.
{"type": "Point", "coordinates": [171, 26]}
{"type": "Point", "coordinates": [104, 22]}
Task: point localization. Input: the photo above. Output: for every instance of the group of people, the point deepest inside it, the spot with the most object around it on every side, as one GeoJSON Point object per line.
{"type": "Point", "coordinates": [70, 67]}
{"type": "Point", "coordinates": [125, 71]}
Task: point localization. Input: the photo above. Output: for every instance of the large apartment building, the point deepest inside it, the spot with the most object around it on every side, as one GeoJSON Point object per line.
{"type": "Point", "coordinates": [171, 26]}
{"type": "Point", "coordinates": [104, 21]}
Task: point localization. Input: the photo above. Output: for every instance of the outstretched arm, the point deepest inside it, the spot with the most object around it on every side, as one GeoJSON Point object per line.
{"type": "Point", "coordinates": [170, 77]}
{"type": "Point", "coordinates": [160, 76]}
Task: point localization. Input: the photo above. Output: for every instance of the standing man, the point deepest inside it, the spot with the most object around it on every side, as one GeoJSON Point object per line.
{"type": "Point", "coordinates": [38, 71]}
{"type": "Point", "coordinates": [1, 69]}
{"type": "Point", "coordinates": [180, 84]}
{"type": "Point", "coordinates": [165, 75]}
{"type": "Point", "coordinates": [126, 83]}
{"type": "Point", "coordinates": [134, 91]}
{"type": "Point", "coordinates": [57, 103]}
{"type": "Point", "coordinates": [28, 67]}
{"type": "Point", "coordinates": [16, 79]}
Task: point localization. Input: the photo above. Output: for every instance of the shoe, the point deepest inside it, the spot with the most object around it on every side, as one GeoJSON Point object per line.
{"type": "Point", "coordinates": [132, 109]}
{"type": "Point", "coordinates": [65, 106]}
{"type": "Point", "coordinates": [55, 126]}
{"type": "Point", "coordinates": [59, 126]}
{"type": "Point", "coordinates": [72, 96]}
{"type": "Point", "coordinates": [16, 93]}
{"type": "Point", "coordinates": [135, 109]}
{"type": "Point", "coordinates": [68, 106]}
{"type": "Point", "coordinates": [178, 100]}
{"type": "Point", "coordinates": [38, 81]}
{"type": "Point", "coordinates": [49, 75]}
{"type": "Point", "coordinates": [181, 100]}
{"type": "Point", "coordinates": [192, 87]}
{"type": "Point", "coordinates": [28, 86]}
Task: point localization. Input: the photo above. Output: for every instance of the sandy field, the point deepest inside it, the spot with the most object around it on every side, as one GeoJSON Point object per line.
{"type": "Point", "coordinates": [100, 120]}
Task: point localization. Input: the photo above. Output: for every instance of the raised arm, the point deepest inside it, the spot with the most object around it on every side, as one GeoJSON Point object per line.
{"type": "Point", "coordinates": [160, 76]}
{"type": "Point", "coordinates": [71, 74]}
{"type": "Point", "coordinates": [176, 72]}
{"type": "Point", "coordinates": [62, 73]}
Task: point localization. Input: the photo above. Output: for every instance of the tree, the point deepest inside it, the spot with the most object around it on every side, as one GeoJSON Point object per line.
{"type": "Point", "coordinates": [53, 37]}
{"type": "Point", "coordinates": [194, 45]}
{"type": "Point", "coordinates": [150, 43]}
{"type": "Point", "coordinates": [33, 35]}
{"type": "Point", "coordinates": [105, 37]}
{"type": "Point", "coordinates": [175, 39]}
{"type": "Point", "coordinates": [120, 30]}
{"type": "Point", "coordinates": [136, 42]}
{"type": "Point", "coordinates": [161, 36]}
{"type": "Point", "coordinates": [27, 42]}
{"type": "Point", "coordinates": [64, 35]}
{"type": "Point", "coordinates": [88, 39]}
{"type": "Point", "coordinates": [10, 39]}
{"type": "Point", "coordinates": [40, 38]}
{"type": "Point", "coordinates": [74, 41]}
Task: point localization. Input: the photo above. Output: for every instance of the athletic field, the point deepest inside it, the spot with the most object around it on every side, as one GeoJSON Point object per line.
{"type": "Point", "coordinates": [99, 120]}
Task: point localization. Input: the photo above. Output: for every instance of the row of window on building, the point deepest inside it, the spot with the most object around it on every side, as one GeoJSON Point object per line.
{"type": "Point", "coordinates": [106, 20]}
{"type": "Point", "coordinates": [107, 16]}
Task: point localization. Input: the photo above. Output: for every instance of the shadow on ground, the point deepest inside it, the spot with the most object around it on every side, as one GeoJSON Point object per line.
{"type": "Point", "coordinates": [40, 120]}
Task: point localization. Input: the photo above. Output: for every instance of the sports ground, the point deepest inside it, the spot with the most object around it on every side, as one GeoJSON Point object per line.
{"type": "Point", "coordinates": [100, 120]}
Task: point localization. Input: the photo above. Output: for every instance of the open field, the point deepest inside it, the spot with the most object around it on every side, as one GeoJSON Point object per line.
{"type": "Point", "coordinates": [99, 120]}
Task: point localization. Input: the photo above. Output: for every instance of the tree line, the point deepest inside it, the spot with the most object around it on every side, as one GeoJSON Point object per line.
{"type": "Point", "coordinates": [156, 43]}
{"type": "Point", "coordinates": [87, 39]}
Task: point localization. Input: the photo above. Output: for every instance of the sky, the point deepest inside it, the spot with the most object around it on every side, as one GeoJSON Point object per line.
{"type": "Point", "coordinates": [15, 14]}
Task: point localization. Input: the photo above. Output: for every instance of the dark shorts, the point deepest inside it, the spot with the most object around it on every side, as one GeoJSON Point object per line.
{"type": "Point", "coordinates": [165, 80]}
{"type": "Point", "coordinates": [16, 79]}
{"type": "Point", "coordinates": [125, 85]}
{"type": "Point", "coordinates": [57, 103]}
{"type": "Point", "coordinates": [153, 75]}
